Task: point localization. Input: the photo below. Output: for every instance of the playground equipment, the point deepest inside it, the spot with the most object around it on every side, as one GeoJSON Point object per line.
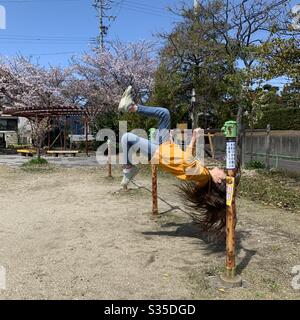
{"type": "Point", "coordinates": [152, 135]}
{"type": "Point", "coordinates": [209, 134]}
{"type": "Point", "coordinates": [27, 152]}
{"type": "Point", "coordinates": [56, 153]}
{"type": "Point", "coordinates": [230, 278]}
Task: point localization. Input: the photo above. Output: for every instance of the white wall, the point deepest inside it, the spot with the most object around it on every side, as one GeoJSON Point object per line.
{"type": "Point", "coordinates": [24, 130]}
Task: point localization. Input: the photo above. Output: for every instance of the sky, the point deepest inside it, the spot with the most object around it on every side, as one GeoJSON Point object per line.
{"type": "Point", "coordinates": [54, 30]}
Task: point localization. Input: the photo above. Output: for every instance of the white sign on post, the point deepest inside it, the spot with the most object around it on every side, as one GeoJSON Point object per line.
{"type": "Point", "coordinates": [230, 155]}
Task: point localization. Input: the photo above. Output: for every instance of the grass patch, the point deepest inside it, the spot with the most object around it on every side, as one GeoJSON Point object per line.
{"type": "Point", "coordinates": [36, 161]}
{"type": "Point", "coordinates": [37, 165]}
{"type": "Point", "coordinates": [254, 165]}
{"type": "Point", "coordinates": [271, 284]}
{"type": "Point", "coordinates": [279, 188]}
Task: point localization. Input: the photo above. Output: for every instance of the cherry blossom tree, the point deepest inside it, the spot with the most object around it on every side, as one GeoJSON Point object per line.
{"type": "Point", "coordinates": [102, 76]}
{"type": "Point", "coordinates": [27, 85]}
{"type": "Point", "coordinates": [94, 82]}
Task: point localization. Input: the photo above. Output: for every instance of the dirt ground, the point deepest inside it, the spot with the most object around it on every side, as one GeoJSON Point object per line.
{"type": "Point", "coordinates": [71, 234]}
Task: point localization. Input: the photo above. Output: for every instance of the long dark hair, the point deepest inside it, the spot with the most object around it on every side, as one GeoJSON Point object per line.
{"type": "Point", "coordinates": [209, 206]}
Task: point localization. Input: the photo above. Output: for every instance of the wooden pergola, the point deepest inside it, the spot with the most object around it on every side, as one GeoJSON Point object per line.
{"type": "Point", "coordinates": [38, 113]}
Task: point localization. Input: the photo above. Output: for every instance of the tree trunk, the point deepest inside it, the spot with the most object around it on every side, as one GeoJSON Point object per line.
{"type": "Point", "coordinates": [38, 152]}
{"type": "Point", "coordinates": [194, 116]}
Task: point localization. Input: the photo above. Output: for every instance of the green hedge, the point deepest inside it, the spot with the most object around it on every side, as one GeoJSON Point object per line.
{"type": "Point", "coordinates": [281, 119]}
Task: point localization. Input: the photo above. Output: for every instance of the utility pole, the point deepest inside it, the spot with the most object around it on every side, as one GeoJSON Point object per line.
{"type": "Point", "coordinates": [102, 6]}
{"type": "Point", "coordinates": [196, 6]}
{"type": "Point", "coordinates": [194, 111]}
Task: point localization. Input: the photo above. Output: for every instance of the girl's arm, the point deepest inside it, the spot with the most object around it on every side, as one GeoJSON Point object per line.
{"type": "Point", "coordinates": [196, 134]}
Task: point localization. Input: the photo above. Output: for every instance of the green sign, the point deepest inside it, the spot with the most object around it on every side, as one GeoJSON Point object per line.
{"type": "Point", "coordinates": [230, 129]}
{"type": "Point", "coordinates": [152, 133]}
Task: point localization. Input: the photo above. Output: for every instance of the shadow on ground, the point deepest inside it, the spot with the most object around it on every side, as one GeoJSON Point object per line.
{"type": "Point", "coordinates": [191, 230]}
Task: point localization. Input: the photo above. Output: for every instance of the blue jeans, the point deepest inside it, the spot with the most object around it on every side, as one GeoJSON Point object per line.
{"type": "Point", "coordinates": [132, 142]}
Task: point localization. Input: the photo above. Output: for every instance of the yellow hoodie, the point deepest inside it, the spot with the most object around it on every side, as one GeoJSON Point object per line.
{"type": "Point", "coordinates": [182, 164]}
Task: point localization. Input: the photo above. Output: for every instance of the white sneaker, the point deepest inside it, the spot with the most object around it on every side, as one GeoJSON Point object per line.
{"type": "Point", "coordinates": [128, 175]}
{"type": "Point", "coordinates": [126, 100]}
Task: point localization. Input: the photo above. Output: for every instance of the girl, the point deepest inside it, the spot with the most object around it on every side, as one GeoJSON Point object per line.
{"type": "Point", "coordinates": [204, 189]}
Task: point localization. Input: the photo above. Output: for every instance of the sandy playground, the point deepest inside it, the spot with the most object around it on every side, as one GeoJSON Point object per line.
{"type": "Point", "coordinates": [69, 233]}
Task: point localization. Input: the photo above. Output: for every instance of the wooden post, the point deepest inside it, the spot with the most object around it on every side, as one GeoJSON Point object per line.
{"type": "Point", "coordinates": [65, 134]}
{"type": "Point", "coordinates": [86, 138]}
{"type": "Point", "coordinates": [60, 137]}
{"type": "Point", "coordinates": [152, 136]}
{"type": "Point", "coordinates": [230, 224]}
{"type": "Point", "coordinates": [49, 133]}
{"type": "Point", "coordinates": [109, 158]}
{"type": "Point", "coordinates": [268, 147]}
{"type": "Point", "coordinates": [154, 190]}
{"type": "Point", "coordinates": [229, 278]}
{"type": "Point", "coordinates": [212, 147]}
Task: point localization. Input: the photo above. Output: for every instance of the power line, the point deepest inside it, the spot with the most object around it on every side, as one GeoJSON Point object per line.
{"type": "Point", "coordinates": [46, 36]}
{"type": "Point", "coordinates": [51, 54]}
{"type": "Point", "coordinates": [145, 11]}
{"type": "Point", "coordinates": [147, 6]}
{"type": "Point", "coordinates": [45, 39]}
{"type": "Point", "coordinates": [144, 8]}
{"type": "Point", "coordinates": [37, 1]}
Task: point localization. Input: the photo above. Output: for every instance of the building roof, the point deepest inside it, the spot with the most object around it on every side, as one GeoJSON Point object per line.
{"type": "Point", "coordinates": [44, 112]}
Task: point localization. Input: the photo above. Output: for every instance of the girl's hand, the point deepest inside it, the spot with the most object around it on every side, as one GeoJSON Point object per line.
{"type": "Point", "coordinates": [172, 135]}
{"type": "Point", "coordinates": [198, 132]}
